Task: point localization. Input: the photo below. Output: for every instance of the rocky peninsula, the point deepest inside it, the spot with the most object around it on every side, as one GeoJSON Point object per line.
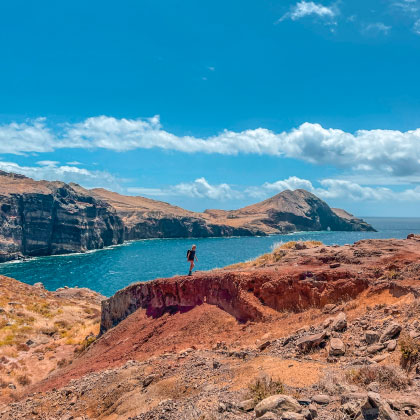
{"type": "Point", "coordinates": [48, 218]}
{"type": "Point", "coordinates": [306, 332]}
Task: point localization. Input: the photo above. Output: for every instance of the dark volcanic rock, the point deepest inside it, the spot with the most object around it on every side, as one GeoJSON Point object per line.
{"type": "Point", "coordinates": [46, 218]}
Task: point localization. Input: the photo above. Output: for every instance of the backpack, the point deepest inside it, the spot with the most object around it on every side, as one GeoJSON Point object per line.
{"type": "Point", "coordinates": [188, 253]}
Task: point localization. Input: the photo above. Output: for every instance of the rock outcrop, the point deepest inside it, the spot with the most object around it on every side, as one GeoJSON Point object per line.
{"type": "Point", "coordinates": [46, 218]}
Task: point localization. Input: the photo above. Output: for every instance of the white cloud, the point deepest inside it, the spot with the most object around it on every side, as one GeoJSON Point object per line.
{"type": "Point", "coordinates": [389, 152]}
{"type": "Point", "coordinates": [336, 188]}
{"type": "Point", "coordinates": [328, 189]}
{"type": "Point", "coordinates": [307, 8]}
{"type": "Point", "coordinates": [291, 183]}
{"type": "Point", "coordinates": [376, 28]}
{"type": "Point", "coordinates": [31, 136]}
{"type": "Point", "coordinates": [48, 163]}
{"type": "Point", "coordinates": [49, 171]}
{"type": "Point", "coordinates": [199, 188]}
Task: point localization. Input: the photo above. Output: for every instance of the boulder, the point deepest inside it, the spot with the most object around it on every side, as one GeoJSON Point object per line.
{"type": "Point", "coordinates": [290, 415]}
{"type": "Point", "coordinates": [375, 348]}
{"type": "Point", "coordinates": [321, 399]}
{"type": "Point", "coordinates": [337, 347]}
{"type": "Point", "coordinates": [392, 345]}
{"type": "Point", "coordinates": [308, 342]}
{"type": "Point", "coordinates": [375, 401]}
{"type": "Point", "coordinates": [371, 337]}
{"type": "Point", "coordinates": [379, 358]}
{"type": "Point", "coordinates": [277, 404]}
{"type": "Point", "coordinates": [390, 332]}
{"type": "Point", "coordinates": [247, 405]}
{"type": "Point", "coordinates": [340, 322]}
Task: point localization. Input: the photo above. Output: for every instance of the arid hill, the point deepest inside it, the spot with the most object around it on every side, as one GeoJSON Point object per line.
{"type": "Point", "coordinates": [48, 218]}
{"type": "Point", "coordinates": [286, 212]}
{"type": "Point", "coordinates": [307, 331]}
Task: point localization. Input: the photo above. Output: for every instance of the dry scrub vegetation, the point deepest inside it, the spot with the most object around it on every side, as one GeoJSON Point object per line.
{"type": "Point", "coordinates": [40, 331]}
{"type": "Point", "coordinates": [276, 255]}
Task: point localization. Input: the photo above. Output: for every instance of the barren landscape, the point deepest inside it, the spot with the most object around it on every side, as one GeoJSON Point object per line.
{"type": "Point", "coordinates": [307, 331]}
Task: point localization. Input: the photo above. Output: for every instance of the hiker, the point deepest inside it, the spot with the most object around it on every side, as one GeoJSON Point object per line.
{"type": "Point", "coordinates": [191, 257]}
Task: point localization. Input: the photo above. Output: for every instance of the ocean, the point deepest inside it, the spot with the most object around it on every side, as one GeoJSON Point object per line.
{"type": "Point", "coordinates": [111, 269]}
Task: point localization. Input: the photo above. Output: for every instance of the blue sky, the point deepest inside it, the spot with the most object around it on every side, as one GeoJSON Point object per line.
{"type": "Point", "coordinates": [210, 104]}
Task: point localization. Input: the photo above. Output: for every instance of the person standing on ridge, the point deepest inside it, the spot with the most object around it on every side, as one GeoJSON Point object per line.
{"type": "Point", "coordinates": [191, 257]}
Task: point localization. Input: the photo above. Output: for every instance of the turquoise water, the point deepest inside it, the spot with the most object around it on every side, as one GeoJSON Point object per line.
{"type": "Point", "coordinates": [111, 269]}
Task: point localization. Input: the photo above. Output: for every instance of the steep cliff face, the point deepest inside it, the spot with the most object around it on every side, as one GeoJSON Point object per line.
{"type": "Point", "coordinates": [145, 218]}
{"type": "Point", "coordinates": [46, 218]}
{"type": "Point", "coordinates": [288, 211]}
{"type": "Point", "coordinates": [248, 296]}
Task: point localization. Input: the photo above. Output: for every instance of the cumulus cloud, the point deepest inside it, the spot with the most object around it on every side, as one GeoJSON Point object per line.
{"type": "Point", "coordinates": [307, 8]}
{"type": "Point", "coordinates": [53, 171]}
{"type": "Point", "coordinates": [390, 152]}
{"type": "Point", "coordinates": [31, 136]}
{"type": "Point", "coordinates": [330, 189]}
{"type": "Point", "coordinates": [200, 188]}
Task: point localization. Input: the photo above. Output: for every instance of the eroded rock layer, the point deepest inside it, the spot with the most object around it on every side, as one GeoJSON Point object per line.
{"type": "Point", "coordinates": [46, 218]}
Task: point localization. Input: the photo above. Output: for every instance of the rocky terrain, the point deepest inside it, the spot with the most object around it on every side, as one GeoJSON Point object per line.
{"type": "Point", "coordinates": [307, 331]}
{"type": "Point", "coordinates": [40, 330]}
{"type": "Point", "coordinates": [47, 218]}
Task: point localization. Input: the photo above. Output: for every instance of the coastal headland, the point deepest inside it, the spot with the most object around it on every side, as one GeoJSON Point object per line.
{"type": "Point", "coordinates": [306, 331]}
{"type": "Point", "coordinates": [40, 218]}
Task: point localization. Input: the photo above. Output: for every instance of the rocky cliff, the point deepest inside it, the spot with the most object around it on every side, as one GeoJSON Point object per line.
{"type": "Point", "coordinates": [288, 211]}
{"type": "Point", "coordinates": [47, 218]}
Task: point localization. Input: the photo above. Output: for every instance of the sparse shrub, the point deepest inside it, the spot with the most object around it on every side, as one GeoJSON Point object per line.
{"type": "Point", "coordinates": [62, 324]}
{"type": "Point", "coordinates": [392, 274]}
{"type": "Point", "coordinates": [23, 380]}
{"type": "Point", "coordinates": [8, 340]}
{"type": "Point", "coordinates": [389, 376]}
{"type": "Point", "coordinates": [89, 339]}
{"type": "Point", "coordinates": [263, 387]}
{"type": "Point", "coordinates": [410, 351]}
{"type": "Point", "coordinates": [41, 308]}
